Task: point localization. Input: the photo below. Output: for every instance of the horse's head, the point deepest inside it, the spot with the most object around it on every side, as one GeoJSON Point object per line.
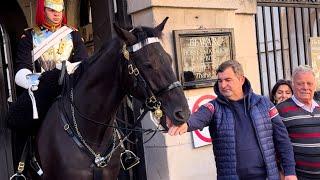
{"type": "Point", "coordinates": [154, 80]}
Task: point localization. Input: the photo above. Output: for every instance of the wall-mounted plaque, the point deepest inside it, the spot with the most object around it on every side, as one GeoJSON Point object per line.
{"type": "Point", "coordinates": [199, 53]}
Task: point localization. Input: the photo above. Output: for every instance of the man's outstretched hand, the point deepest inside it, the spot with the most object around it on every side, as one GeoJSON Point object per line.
{"type": "Point", "coordinates": [176, 130]}
{"type": "Point", "coordinates": [291, 177]}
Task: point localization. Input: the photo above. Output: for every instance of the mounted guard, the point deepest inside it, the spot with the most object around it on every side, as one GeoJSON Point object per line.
{"type": "Point", "coordinates": [41, 53]}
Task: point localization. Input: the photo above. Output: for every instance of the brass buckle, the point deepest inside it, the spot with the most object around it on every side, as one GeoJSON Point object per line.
{"type": "Point", "coordinates": [21, 167]}
{"type": "Point", "coordinates": [100, 161]}
{"type": "Point", "coordinates": [152, 99]}
{"type": "Point", "coordinates": [66, 127]}
{"type": "Point", "coordinates": [132, 70]}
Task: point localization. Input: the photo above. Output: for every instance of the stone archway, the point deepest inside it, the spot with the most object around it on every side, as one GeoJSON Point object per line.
{"type": "Point", "coordinates": [12, 23]}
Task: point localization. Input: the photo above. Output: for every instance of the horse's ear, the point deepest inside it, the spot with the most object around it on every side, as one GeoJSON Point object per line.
{"type": "Point", "coordinates": [125, 35]}
{"type": "Point", "coordinates": [159, 28]}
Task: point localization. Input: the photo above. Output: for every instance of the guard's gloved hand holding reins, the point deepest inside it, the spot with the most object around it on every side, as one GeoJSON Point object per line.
{"type": "Point", "coordinates": [26, 79]}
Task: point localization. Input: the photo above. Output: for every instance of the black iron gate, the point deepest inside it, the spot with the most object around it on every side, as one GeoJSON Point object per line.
{"type": "Point", "coordinates": [6, 95]}
{"type": "Point", "coordinates": [283, 30]}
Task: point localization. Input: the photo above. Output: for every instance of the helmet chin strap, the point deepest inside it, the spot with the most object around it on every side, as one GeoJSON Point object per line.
{"type": "Point", "coordinates": [50, 25]}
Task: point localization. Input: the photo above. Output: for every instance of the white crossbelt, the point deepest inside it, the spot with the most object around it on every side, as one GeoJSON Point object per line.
{"type": "Point", "coordinates": [50, 41]}
{"type": "Point", "coordinates": [42, 48]}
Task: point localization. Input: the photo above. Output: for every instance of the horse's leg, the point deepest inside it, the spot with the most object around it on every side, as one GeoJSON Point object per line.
{"type": "Point", "coordinates": [45, 143]}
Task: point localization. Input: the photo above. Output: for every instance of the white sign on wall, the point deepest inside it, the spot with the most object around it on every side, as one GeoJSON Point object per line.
{"type": "Point", "coordinates": [200, 138]}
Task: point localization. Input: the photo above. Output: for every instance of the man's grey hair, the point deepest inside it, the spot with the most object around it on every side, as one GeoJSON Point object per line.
{"type": "Point", "coordinates": [302, 69]}
{"type": "Point", "coordinates": [235, 65]}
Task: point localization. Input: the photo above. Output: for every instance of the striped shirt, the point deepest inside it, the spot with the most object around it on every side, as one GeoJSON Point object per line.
{"type": "Point", "coordinates": [303, 126]}
{"type": "Point", "coordinates": [303, 106]}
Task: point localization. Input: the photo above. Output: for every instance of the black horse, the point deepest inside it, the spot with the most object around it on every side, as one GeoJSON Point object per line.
{"type": "Point", "coordinates": [76, 140]}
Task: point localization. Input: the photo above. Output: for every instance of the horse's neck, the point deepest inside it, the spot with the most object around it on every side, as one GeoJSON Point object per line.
{"type": "Point", "coordinates": [99, 92]}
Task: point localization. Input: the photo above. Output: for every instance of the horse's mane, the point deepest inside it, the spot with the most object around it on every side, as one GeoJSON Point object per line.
{"type": "Point", "coordinates": [107, 47]}
{"type": "Point", "coordinates": [141, 33]}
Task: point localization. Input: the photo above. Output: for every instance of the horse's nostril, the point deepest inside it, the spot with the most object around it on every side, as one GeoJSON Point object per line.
{"type": "Point", "coordinates": [180, 115]}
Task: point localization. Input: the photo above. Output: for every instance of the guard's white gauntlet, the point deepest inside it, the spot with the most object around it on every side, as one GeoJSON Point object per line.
{"type": "Point", "coordinates": [28, 80]}
{"type": "Point", "coordinates": [22, 80]}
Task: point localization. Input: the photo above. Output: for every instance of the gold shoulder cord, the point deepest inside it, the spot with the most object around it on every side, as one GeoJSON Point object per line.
{"type": "Point", "coordinates": [37, 30]}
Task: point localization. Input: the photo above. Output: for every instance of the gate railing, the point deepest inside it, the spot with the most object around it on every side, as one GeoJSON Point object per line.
{"type": "Point", "coordinates": [283, 30]}
{"type": "Point", "coordinates": [290, 3]}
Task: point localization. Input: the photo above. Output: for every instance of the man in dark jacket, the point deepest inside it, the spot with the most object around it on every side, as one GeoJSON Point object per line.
{"type": "Point", "coordinates": [246, 129]}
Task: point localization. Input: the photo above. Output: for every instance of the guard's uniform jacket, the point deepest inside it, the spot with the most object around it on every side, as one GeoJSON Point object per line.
{"type": "Point", "coordinates": [71, 48]}
{"type": "Point", "coordinates": [72, 44]}
{"type": "Point", "coordinates": [269, 130]}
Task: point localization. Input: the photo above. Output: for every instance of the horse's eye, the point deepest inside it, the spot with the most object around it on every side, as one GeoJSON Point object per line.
{"type": "Point", "coordinates": [148, 65]}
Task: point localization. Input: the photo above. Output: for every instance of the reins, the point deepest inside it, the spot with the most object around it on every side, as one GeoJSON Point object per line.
{"type": "Point", "coordinates": [132, 127]}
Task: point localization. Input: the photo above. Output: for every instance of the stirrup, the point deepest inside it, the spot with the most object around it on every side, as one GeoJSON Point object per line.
{"type": "Point", "coordinates": [128, 159]}
{"type": "Point", "coordinates": [18, 175]}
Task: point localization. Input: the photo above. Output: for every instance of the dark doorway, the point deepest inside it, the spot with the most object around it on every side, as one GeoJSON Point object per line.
{"type": "Point", "coordinates": [12, 23]}
{"type": "Point", "coordinates": [6, 168]}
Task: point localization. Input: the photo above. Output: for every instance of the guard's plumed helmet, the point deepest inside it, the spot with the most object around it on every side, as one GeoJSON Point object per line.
{"type": "Point", "coordinates": [54, 4]}
{"type": "Point", "coordinates": [57, 5]}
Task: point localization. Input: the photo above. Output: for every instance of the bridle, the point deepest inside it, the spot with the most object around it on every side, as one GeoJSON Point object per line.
{"type": "Point", "coordinates": [151, 104]}
{"type": "Point", "coordinates": [151, 101]}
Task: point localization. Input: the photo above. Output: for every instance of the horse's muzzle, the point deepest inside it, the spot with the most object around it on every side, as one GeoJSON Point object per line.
{"type": "Point", "coordinates": [180, 116]}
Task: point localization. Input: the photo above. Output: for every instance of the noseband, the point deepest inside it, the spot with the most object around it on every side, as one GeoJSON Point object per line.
{"type": "Point", "coordinates": [151, 101]}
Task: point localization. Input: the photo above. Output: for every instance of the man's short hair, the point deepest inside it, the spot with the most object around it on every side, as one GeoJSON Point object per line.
{"type": "Point", "coordinates": [302, 69]}
{"type": "Point", "coordinates": [235, 65]}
